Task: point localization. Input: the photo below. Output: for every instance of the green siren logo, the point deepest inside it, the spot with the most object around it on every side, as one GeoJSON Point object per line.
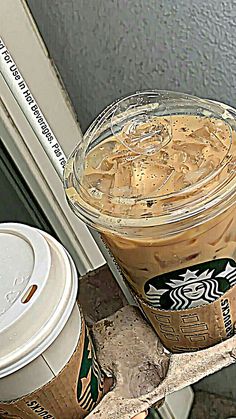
{"type": "Point", "coordinates": [191, 287]}
{"type": "Point", "coordinates": [91, 378]}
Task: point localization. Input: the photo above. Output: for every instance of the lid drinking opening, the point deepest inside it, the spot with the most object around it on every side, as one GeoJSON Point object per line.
{"type": "Point", "coordinates": [29, 294]}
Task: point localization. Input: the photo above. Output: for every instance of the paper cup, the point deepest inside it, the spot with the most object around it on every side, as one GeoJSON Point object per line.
{"type": "Point", "coordinates": [48, 366]}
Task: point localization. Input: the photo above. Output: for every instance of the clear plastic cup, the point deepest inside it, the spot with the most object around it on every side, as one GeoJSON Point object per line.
{"type": "Point", "coordinates": [155, 174]}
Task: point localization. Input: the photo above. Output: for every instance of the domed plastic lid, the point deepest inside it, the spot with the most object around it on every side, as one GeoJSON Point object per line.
{"type": "Point", "coordinates": [37, 294]}
{"type": "Point", "coordinates": [156, 157]}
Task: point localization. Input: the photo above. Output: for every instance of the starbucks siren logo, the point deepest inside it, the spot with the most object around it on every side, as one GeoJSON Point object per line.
{"type": "Point", "coordinates": [191, 287]}
{"type": "Point", "coordinates": [91, 378]}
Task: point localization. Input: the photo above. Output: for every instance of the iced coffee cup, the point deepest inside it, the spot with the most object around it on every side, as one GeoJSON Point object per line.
{"type": "Point", "coordinates": [155, 175]}
{"type": "Point", "coordinates": [48, 366]}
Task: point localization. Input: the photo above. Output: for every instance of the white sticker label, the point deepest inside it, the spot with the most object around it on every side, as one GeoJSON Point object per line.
{"type": "Point", "coordinates": [31, 109]}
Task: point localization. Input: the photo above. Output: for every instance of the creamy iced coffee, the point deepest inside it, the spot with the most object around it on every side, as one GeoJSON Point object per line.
{"type": "Point", "coordinates": [159, 183]}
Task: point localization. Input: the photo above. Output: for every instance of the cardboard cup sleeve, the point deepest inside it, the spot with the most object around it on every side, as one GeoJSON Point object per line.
{"type": "Point", "coordinates": [76, 390]}
{"type": "Point", "coordinates": [195, 328]}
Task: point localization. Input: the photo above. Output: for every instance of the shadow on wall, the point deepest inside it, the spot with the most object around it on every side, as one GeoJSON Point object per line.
{"type": "Point", "coordinates": [105, 49]}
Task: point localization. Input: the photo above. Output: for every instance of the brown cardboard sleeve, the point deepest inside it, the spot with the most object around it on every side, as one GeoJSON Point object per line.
{"type": "Point", "coordinates": [194, 328]}
{"type": "Point", "coordinates": [58, 399]}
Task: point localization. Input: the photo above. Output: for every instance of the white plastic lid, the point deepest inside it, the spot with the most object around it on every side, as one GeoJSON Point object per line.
{"type": "Point", "coordinates": [38, 290]}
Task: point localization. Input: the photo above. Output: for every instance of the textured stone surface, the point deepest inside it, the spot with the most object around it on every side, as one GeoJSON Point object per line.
{"type": "Point", "coordinates": [221, 383]}
{"type": "Point", "coordinates": [108, 48]}
{"type": "Point", "coordinates": [211, 406]}
{"type": "Point", "coordinates": [99, 295]}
